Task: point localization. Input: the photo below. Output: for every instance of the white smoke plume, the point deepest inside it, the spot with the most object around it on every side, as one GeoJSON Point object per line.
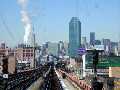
{"type": "Point", "coordinates": [23, 3]}
{"type": "Point", "coordinates": [26, 21]}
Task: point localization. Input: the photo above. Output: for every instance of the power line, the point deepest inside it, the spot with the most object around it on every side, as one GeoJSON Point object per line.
{"type": "Point", "coordinates": [77, 8]}
{"type": "Point", "coordinates": [6, 27]}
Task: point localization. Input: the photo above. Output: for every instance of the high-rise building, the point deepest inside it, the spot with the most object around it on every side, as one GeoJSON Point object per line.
{"type": "Point", "coordinates": [114, 48]}
{"type": "Point", "coordinates": [107, 46]}
{"type": "Point", "coordinates": [3, 46]}
{"type": "Point", "coordinates": [97, 42]}
{"type": "Point", "coordinates": [84, 42]}
{"type": "Point", "coordinates": [52, 48]}
{"type": "Point", "coordinates": [66, 47]}
{"type": "Point", "coordinates": [92, 38]}
{"type": "Point", "coordinates": [116, 51]}
{"type": "Point", "coordinates": [119, 48]}
{"type": "Point", "coordinates": [74, 36]}
{"type": "Point", "coordinates": [61, 49]}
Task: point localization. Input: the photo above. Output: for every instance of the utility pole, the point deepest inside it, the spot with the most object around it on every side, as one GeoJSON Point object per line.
{"type": "Point", "coordinates": [34, 60]}
{"type": "Point", "coordinates": [95, 84]}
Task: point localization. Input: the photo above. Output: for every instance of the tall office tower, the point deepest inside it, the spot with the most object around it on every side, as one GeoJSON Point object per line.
{"type": "Point", "coordinates": [52, 48]}
{"type": "Point", "coordinates": [74, 36]}
{"type": "Point", "coordinates": [92, 38]}
{"type": "Point", "coordinates": [107, 46]}
{"type": "Point", "coordinates": [119, 44]}
{"type": "Point", "coordinates": [3, 46]}
{"type": "Point", "coordinates": [61, 48]}
{"type": "Point", "coordinates": [66, 48]}
{"type": "Point", "coordinates": [114, 48]}
{"type": "Point", "coordinates": [84, 42]}
{"type": "Point", "coordinates": [119, 48]}
{"type": "Point", "coordinates": [116, 53]}
{"type": "Point", "coordinates": [97, 42]}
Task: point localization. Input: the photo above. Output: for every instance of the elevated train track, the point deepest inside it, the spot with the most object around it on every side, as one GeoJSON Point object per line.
{"type": "Point", "coordinates": [51, 81]}
{"type": "Point", "coordinates": [22, 80]}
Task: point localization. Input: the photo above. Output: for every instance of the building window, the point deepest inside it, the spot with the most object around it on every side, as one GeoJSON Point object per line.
{"type": "Point", "coordinates": [24, 50]}
{"type": "Point", "coordinates": [31, 50]}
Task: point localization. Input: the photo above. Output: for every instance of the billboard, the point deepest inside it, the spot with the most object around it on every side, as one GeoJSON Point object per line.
{"type": "Point", "coordinates": [99, 47]}
{"type": "Point", "coordinates": [81, 51]}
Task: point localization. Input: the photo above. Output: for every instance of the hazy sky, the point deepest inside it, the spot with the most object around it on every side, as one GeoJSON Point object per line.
{"type": "Point", "coordinates": [51, 18]}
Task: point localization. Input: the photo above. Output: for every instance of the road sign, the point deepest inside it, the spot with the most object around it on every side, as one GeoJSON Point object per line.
{"type": "Point", "coordinates": [81, 51]}
{"type": "Point", "coordinates": [5, 75]}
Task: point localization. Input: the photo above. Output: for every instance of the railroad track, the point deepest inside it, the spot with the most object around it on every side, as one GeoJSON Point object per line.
{"type": "Point", "coordinates": [51, 81]}
{"type": "Point", "coordinates": [22, 80]}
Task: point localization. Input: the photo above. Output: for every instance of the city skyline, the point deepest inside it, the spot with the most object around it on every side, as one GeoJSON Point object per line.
{"type": "Point", "coordinates": [51, 19]}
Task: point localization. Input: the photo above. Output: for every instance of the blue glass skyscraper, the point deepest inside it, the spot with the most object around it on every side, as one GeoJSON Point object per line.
{"type": "Point", "coordinates": [74, 36]}
{"type": "Point", "coordinates": [92, 38]}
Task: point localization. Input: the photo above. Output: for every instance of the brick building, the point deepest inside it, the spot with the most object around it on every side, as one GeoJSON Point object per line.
{"type": "Point", "coordinates": [25, 55]}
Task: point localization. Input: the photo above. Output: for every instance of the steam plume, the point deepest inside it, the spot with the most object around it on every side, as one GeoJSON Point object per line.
{"type": "Point", "coordinates": [26, 21]}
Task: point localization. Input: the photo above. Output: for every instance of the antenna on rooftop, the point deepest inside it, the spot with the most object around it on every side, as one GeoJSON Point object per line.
{"type": "Point", "coordinates": [77, 8]}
